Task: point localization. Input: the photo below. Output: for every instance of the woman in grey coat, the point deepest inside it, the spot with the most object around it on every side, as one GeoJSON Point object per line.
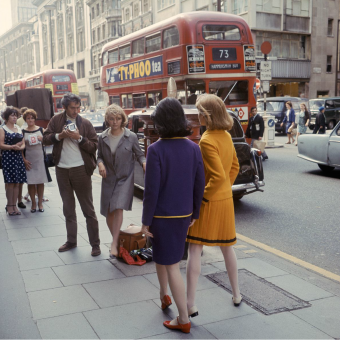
{"type": "Point", "coordinates": [117, 149]}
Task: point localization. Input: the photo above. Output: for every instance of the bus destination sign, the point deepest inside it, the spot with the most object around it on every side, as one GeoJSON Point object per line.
{"type": "Point", "coordinates": [224, 54]}
{"type": "Point", "coordinates": [139, 69]}
{"type": "Point", "coordinates": [196, 62]}
{"type": "Point", "coordinates": [249, 58]}
{"type": "Point", "coordinates": [224, 66]}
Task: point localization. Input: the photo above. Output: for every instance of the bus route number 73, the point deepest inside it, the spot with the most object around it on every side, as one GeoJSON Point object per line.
{"type": "Point", "coordinates": [224, 54]}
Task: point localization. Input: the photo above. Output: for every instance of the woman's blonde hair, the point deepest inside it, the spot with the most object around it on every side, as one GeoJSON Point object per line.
{"type": "Point", "coordinates": [114, 110]}
{"type": "Point", "coordinates": [214, 111]}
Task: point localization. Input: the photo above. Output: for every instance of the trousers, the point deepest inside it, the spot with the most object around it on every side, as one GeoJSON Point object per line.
{"type": "Point", "coordinates": [76, 180]}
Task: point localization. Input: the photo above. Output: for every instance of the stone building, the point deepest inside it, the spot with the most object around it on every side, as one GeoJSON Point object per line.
{"type": "Point", "coordinates": [105, 25]}
{"type": "Point", "coordinates": [303, 34]}
{"type": "Point", "coordinates": [22, 11]}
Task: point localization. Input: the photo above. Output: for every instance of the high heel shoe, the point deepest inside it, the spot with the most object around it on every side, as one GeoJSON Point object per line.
{"type": "Point", "coordinates": [237, 301]}
{"type": "Point", "coordinates": [166, 302]}
{"type": "Point", "coordinates": [192, 312]}
{"type": "Point", "coordinates": [13, 213]}
{"type": "Point", "coordinates": [185, 328]}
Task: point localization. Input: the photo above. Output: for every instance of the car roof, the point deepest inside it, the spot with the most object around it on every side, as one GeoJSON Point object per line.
{"type": "Point", "coordinates": [282, 99]}
{"type": "Point", "coordinates": [326, 98]}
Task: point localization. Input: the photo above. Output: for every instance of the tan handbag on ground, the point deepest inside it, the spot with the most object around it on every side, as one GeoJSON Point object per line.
{"type": "Point", "coordinates": [132, 238]}
{"type": "Point", "coordinates": [259, 144]}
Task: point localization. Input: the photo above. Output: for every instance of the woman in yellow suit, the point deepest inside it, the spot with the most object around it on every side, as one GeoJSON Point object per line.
{"type": "Point", "coordinates": [216, 223]}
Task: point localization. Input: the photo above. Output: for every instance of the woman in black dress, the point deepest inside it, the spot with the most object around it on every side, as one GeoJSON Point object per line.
{"type": "Point", "coordinates": [13, 167]}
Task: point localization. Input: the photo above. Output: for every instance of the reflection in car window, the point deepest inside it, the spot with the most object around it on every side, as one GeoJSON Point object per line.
{"type": "Point", "coordinates": [236, 130]}
{"type": "Point", "coordinates": [315, 104]}
{"type": "Point", "coordinates": [271, 106]}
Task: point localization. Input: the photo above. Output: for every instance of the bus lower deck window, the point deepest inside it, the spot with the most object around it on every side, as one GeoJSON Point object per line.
{"type": "Point", "coordinates": [139, 101]}
{"type": "Point", "coordinates": [221, 32]}
{"type": "Point", "coordinates": [115, 100]}
{"type": "Point", "coordinates": [126, 101]}
{"type": "Point", "coordinates": [154, 98]}
{"type": "Point", "coordinates": [232, 92]}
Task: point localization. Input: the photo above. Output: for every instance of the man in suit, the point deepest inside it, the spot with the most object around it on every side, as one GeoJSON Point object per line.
{"type": "Point", "coordinates": [320, 122]}
{"type": "Point", "coordinates": [255, 129]}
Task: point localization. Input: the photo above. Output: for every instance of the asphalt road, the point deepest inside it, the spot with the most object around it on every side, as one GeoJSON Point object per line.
{"type": "Point", "coordinates": [298, 213]}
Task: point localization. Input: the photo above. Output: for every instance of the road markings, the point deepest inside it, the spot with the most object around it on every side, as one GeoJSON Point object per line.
{"type": "Point", "coordinates": [291, 258]}
{"type": "Point", "coordinates": [250, 251]}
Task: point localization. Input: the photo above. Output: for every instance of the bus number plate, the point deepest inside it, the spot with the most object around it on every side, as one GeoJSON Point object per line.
{"type": "Point", "coordinates": [224, 54]}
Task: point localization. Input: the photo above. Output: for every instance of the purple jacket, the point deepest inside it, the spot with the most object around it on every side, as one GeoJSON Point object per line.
{"type": "Point", "coordinates": [174, 180]}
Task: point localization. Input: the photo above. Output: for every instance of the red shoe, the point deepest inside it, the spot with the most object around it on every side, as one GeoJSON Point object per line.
{"type": "Point", "coordinates": [166, 302]}
{"type": "Point", "coordinates": [185, 328]}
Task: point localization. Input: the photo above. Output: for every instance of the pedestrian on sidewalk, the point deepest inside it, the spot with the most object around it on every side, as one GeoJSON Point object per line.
{"type": "Point", "coordinates": [320, 122]}
{"type": "Point", "coordinates": [12, 143]}
{"type": "Point", "coordinates": [74, 141]}
{"type": "Point", "coordinates": [117, 149]}
{"type": "Point", "coordinates": [255, 129]}
{"type": "Point", "coordinates": [174, 184]}
{"type": "Point", "coordinates": [216, 223]}
{"type": "Point", "coordinates": [302, 121]}
{"type": "Point", "coordinates": [289, 119]}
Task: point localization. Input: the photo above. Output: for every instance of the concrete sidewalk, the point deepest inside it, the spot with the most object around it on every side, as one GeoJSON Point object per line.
{"type": "Point", "coordinates": [72, 295]}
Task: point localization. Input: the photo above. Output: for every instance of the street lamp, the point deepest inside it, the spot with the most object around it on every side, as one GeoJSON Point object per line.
{"type": "Point", "coordinates": [50, 8]}
{"type": "Point", "coordinates": [3, 88]}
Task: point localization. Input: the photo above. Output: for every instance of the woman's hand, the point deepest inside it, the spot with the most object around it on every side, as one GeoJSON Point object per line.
{"type": "Point", "coordinates": [192, 222]}
{"type": "Point", "coordinates": [144, 167]}
{"type": "Point", "coordinates": [281, 124]}
{"type": "Point", "coordinates": [145, 230]}
{"type": "Point", "coordinates": [40, 138]}
{"type": "Point", "coordinates": [27, 164]}
{"type": "Point", "coordinates": [16, 147]}
{"type": "Point", "coordinates": [102, 170]}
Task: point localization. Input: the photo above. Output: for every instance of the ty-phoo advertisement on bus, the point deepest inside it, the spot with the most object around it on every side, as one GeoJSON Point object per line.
{"type": "Point", "coordinates": [139, 69]}
{"type": "Point", "coordinates": [196, 62]}
{"type": "Point", "coordinates": [249, 58]}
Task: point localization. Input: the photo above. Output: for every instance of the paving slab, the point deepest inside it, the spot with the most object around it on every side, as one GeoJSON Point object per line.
{"type": "Point", "coordinates": [80, 273]}
{"type": "Point", "coordinates": [324, 315]}
{"type": "Point", "coordinates": [256, 266]}
{"type": "Point", "coordinates": [55, 230]}
{"type": "Point", "coordinates": [299, 287]}
{"type": "Point", "coordinates": [73, 326]}
{"type": "Point", "coordinates": [213, 305]}
{"type": "Point", "coordinates": [39, 279]}
{"type": "Point", "coordinates": [121, 291]}
{"type": "Point", "coordinates": [39, 260]}
{"type": "Point", "coordinates": [60, 301]}
{"type": "Point", "coordinates": [83, 254]}
{"type": "Point", "coordinates": [198, 332]}
{"type": "Point", "coordinates": [42, 244]}
{"type": "Point", "coordinates": [39, 220]}
{"type": "Point", "coordinates": [258, 326]}
{"type": "Point", "coordinates": [131, 321]}
{"type": "Point", "coordinates": [203, 283]}
{"type": "Point", "coordinates": [23, 234]}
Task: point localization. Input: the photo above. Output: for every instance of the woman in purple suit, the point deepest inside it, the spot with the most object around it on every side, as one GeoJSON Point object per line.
{"type": "Point", "coordinates": [174, 186]}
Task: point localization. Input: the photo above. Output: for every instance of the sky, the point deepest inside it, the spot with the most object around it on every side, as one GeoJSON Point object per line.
{"type": "Point", "coordinates": [5, 16]}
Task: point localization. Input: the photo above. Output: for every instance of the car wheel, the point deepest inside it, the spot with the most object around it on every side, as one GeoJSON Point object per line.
{"type": "Point", "coordinates": [331, 125]}
{"type": "Point", "coordinates": [311, 127]}
{"type": "Point", "coordinates": [326, 168]}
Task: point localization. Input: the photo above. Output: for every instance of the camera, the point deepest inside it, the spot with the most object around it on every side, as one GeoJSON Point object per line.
{"type": "Point", "coordinates": [70, 126]}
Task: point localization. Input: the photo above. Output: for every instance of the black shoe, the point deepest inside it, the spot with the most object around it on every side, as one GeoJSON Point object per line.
{"type": "Point", "coordinates": [21, 205]}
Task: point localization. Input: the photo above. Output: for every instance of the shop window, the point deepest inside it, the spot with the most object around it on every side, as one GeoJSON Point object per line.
{"type": "Point", "coordinates": [329, 64]}
{"type": "Point", "coordinates": [153, 43]}
{"type": "Point", "coordinates": [139, 101]}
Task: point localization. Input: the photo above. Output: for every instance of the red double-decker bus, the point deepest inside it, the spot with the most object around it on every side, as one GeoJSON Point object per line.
{"type": "Point", "coordinates": [12, 86]}
{"type": "Point", "coordinates": [205, 52]}
{"type": "Point", "coordinates": [58, 81]}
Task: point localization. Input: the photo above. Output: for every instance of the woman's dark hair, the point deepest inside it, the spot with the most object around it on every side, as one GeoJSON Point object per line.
{"type": "Point", "coordinates": [9, 110]}
{"type": "Point", "coordinates": [306, 112]}
{"type": "Point", "coordinates": [170, 120]}
{"type": "Point", "coordinates": [289, 103]}
{"type": "Point", "coordinates": [68, 98]}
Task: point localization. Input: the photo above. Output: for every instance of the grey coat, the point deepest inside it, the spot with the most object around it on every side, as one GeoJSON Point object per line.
{"type": "Point", "coordinates": [117, 187]}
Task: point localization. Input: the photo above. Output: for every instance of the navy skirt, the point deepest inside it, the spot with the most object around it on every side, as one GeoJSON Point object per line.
{"type": "Point", "coordinates": [288, 126]}
{"type": "Point", "coordinates": [168, 240]}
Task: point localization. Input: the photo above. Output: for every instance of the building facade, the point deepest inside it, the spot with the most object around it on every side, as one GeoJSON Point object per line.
{"type": "Point", "coordinates": [22, 11]}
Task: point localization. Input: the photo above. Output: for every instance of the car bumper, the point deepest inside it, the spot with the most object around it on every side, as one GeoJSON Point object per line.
{"type": "Point", "coordinates": [247, 186]}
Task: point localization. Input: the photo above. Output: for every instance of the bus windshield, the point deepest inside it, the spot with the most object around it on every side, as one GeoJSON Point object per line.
{"type": "Point", "coordinates": [221, 32]}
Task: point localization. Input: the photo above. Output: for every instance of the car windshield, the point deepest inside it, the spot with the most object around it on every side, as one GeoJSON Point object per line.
{"type": "Point", "coordinates": [316, 103]}
{"type": "Point", "coordinates": [271, 106]}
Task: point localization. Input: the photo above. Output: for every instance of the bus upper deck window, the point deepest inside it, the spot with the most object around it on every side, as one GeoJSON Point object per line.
{"type": "Point", "coordinates": [138, 47]}
{"type": "Point", "coordinates": [60, 79]}
{"type": "Point", "coordinates": [170, 37]}
{"type": "Point", "coordinates": [221, 32]}
{"type": "Point", "coordinates": [105, 58]}
{"type": "Point", "coordinates": [153, 43]}
{"type": "Point", "coordinates": [124, 52]}
{"type": "Point", "coordinates": [113, 56]}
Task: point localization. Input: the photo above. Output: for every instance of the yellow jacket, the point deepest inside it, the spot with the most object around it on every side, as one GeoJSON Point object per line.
{"type": "Point", "coordinates": [220, 164]}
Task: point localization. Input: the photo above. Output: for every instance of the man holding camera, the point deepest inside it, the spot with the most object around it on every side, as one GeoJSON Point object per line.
{"type": "Point", "coordinates": [75, 144]}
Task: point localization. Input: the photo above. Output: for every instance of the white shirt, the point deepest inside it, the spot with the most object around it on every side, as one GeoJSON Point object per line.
{"type": "Point", "coordinates": [70, 153]}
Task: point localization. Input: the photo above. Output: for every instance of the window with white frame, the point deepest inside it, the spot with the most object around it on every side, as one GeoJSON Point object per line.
{"type": "Point", "coordinates": [127, 14]}
{"type": "Point", "coordinates": [136, 9]}
{"type": "Point", "coordinates": [240, 6]}
{"type": "Point", "coordinates": [146, 6]}
{"type": "Point", "coordinates": [298, 7]}
{"type": "Point", "coordinates": [164, 3]}
{"type": "Point", "coordinates": [271, 6]}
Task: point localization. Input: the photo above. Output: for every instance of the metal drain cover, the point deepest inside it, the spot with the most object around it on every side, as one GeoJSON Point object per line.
{"type": "Point", "coordinates": [259, 293]}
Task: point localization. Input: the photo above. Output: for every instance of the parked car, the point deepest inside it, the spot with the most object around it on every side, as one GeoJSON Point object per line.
{"type": "Point", "coordinates": [250, 178]}
{"type": "Point", "coordinates": [322, 149]}
{"type": "Point", "coordinates": [332, 111]}
{"type": "Point", "coordinates": [276, 107]}
{"type": "Point", "coordinates": [97, 120]}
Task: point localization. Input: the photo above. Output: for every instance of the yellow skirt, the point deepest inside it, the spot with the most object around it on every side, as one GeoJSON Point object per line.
{"type": "Point", "coordinates": [216, 224]}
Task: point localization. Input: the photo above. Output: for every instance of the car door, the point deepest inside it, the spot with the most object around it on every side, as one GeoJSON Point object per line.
{"type": "Point", "coordinates": [334, 147]}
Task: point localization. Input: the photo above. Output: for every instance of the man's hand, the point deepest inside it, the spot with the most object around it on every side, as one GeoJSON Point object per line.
{"type": "Point", "coordinates": [62, 135]}
{"type": "Point", "coordinates": [73, 134]}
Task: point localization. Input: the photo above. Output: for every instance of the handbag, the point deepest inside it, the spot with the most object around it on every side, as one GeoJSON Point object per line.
{"type": "Point", "coordinates": [259, 144]}
{"type": "Point", "coordinates": [132, 238]}
{"type": "Point", "coordinates": [48, 159]}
